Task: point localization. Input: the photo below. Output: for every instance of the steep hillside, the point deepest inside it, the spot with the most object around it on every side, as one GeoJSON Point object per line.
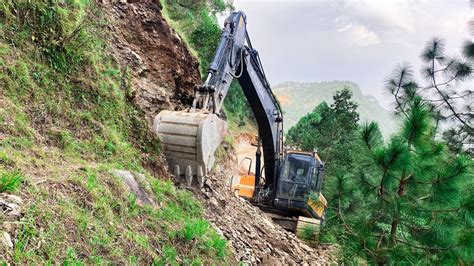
{"type": "Point", "coordinates": [298, 98]}
{"type": "Point", "coordinates": [81, 177]}
{"type": "Point", "coordinates": [82, 180]}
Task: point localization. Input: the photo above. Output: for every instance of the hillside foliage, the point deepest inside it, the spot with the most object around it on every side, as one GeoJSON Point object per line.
{"type": "Point", "coordinates": [406, 200]}
{"type": "Point", "coordinates": [299, 98]}
{"type": "Point", "coordinates": [330, 130]}
{"type": "Point", "coordinates": [67, 122]}
{"type": "Point", "coordinates": [409, 200]}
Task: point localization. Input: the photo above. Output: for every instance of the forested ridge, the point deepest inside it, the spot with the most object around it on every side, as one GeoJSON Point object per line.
{"type": "Point", "coordinates": [299, 98]}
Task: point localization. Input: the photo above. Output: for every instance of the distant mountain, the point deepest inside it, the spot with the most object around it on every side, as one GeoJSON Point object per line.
{"type": "Point", "coordinates": [299, 98]}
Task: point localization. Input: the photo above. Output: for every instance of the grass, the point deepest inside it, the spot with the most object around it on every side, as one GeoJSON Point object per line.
{"type": "Point", "coordinates": [65, 221]}
{"type": "Point", "coordinates": [233, 123]}
{"type": "Point", "coordinates": [10, 181]}
{"type": "Point", "coordinates": [66, 121]}
{"type": "Point", "coordinates": [193, 228]}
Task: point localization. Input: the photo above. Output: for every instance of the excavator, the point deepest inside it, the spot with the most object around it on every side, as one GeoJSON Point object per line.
{"type": "Point", "coordinates": [287, 183]}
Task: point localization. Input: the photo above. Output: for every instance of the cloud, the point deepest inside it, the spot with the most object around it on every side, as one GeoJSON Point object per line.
{"type": "Point", "coordinates": [399, 13]}
{"type": "Point", "coordinates": [345, 28]}
{"type": "Point", "coordinates": [361, 36]}
{"type": "Point", "coordinates": [356, 32]}
{"type": "Point", "coordinates": [363, 39]}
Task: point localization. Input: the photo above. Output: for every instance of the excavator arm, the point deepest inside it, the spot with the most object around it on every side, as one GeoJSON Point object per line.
{"type": "Point", "coordinates": [190, 137]}
{"type": "Point", "coordinates": [223, 68]}
{"type": "Point", "coordinates": [267, 112]}
{"type": "Point", "coordinates": [235, 58]}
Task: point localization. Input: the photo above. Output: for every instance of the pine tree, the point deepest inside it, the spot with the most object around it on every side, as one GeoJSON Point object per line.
{"type": "Point", "coordinates": [442, 91]}
{"type": "Point", "coordinates": [409, 201]}
{"type": "Point", "coordinates": [330, 130]}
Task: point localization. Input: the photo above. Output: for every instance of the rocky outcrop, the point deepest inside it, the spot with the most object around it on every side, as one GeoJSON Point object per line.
{"type": "Point", "coordinates": [136, 183]}
{"type": "Point", "coordinates": [163, 71]}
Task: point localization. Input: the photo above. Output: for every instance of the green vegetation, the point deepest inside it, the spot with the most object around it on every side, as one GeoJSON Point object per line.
{"type": "Point", "coordinates": [10, 181]}
{"type": "Point", "coordinates": [66, 122]}
{"type": "Point", "coordinates": [197, 24]}
{"type": "Point", "coordinates": [405, 201]}
{"type": "Point", "coordinates": [56, 75]}
{"type": "Point", "coordinates": [331, 130]}
{"type": "Point", "coordinates": [443, 90]}
{"type": "Point", "coordinates": [101, 224]}
{"type": "Point", "coordinates": [409, 200]}
{"type": "Point", "coordinates": [299, 98]}
{"type": "Point", "coordinates": [309, 233]}
{"type": "Point", "coordinates": [238, 110]}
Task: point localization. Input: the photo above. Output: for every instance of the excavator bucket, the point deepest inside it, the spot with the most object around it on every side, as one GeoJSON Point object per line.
{"type": "Point", "coordinates": [189, 140]}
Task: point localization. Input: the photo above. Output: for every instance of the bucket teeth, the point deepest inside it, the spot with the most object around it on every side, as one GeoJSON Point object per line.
{"type": "Point", "coordinates": [189, 176]}
{"type": "Point", "coordinates": [176, 171]}
{"type": "Point", "coordinates": [189, 141]}
{"type": "Point", "coordinates": [200, 176]}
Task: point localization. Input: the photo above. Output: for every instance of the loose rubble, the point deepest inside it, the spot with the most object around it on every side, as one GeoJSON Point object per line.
{"type": "Point", "coordinates": [253, 237]}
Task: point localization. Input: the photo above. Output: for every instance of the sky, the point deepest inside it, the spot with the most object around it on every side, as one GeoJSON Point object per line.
{"type": "Point", "coordinates": [356, 40]}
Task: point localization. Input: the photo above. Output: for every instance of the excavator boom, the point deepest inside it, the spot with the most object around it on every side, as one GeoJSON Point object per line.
{"type": "Point", "coordinates": [190, 137]}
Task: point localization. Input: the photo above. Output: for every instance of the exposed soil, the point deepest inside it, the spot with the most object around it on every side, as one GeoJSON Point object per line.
{"type": "Point", "coordinates": [245, 152]}
{"type": "Point", "coordinates": [163, 71]}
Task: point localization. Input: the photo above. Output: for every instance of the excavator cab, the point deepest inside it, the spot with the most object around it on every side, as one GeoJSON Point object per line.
{"type": "Point", "coordinates": [299, 185]}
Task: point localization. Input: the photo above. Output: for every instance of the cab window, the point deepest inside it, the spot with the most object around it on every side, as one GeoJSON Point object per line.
{"type": "Point", "coordinates": [296, 169]}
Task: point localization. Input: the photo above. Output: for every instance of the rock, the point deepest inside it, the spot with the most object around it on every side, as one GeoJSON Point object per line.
{"type": "Point", "coordinates": [133, 186]}
{"type": "Point", "coordinates": [163, 72]}
{"type": "Point", "coordinates": [142, 181]}
{"type": "Point", "coordinates": [246, 228]}
{"type": "Point", "coordinates": [7, 226]}
{"type": "Point", "coordinates": [6, 240]}
{"type": "Point", "coordinates": [267, 259]}
{"type": "Point", "coordinates": [306, 247]}
{"type": "Point", "coordinates": [214, 202]}
{"type": "Point", "coordinates": [253, 236]}
{"type": "Point", "coordinates": [9, 209]}
{"type": "Point", "coordinates": [15, 199]}
{"type": "Point", "coordinates": [208, 183]}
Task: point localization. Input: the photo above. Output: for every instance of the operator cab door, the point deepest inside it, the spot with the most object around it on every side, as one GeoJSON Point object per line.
{"type": "Point", "coordinates": [317, 177]}
{"type": "Point", "coordinates": [295, 180]}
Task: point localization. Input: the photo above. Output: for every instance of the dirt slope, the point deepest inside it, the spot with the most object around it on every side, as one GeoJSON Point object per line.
{"type": "Point", "coordinates": [164, 73]}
